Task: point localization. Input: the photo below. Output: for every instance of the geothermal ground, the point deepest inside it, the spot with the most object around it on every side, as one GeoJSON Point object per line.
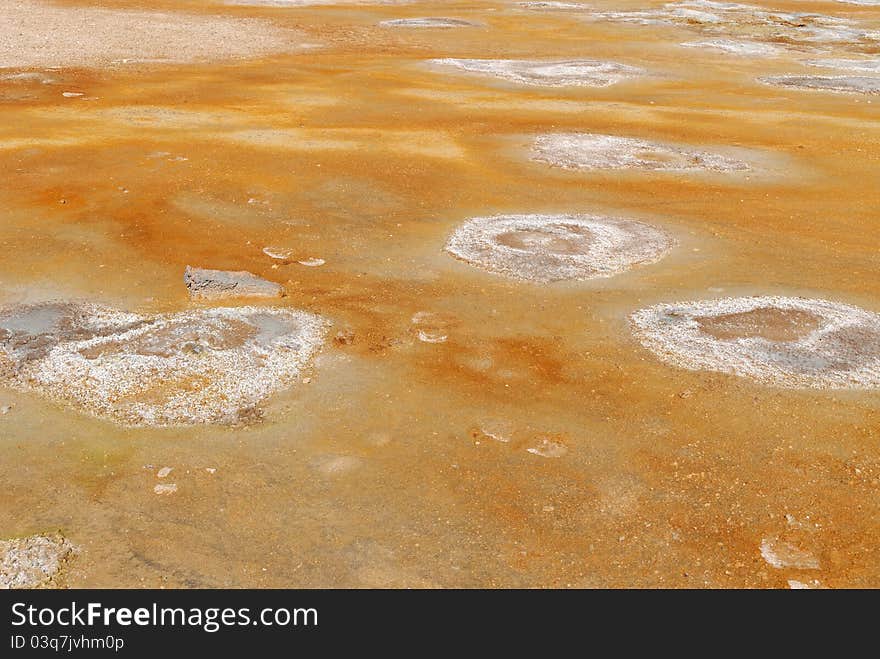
{"type": "Point", "coordinates": [439, 294]}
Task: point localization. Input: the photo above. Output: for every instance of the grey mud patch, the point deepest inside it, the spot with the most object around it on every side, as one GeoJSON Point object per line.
{"type": "Point", "coordinates": [206, 366]}
{"type": "Point", "coordinates": [548, 248]}
{"type": "Point", "coordinates": [844, 84]}
{"type": "Point", "coordinates": [779, 341]}
{"type": "Point", "coordinates": [546, 73]}
{"type": "Point", "coordinates": [33, 562]}
{"type": "Point", "coordinates": [580, 151]}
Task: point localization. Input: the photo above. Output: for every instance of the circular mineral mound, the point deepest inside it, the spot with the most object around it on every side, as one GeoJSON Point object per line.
{"type": "Point", "coordinates": [33, 561]}
{"type": "Point", "coordinates": [852, 84]}
{"type": "Point", "coordinates": [553, 73]}
{"type": "Point", "coordinates": [779, 341]}
{"type": "Point", "coordinates": [207, 366]}
{"type": "Point", "coordinates": [429, 22]}
{"type": "Point", "coordinates": [741, 21]}
{"type": "Point", "coordinates": [29, 332]}
{"type": "Point", "coordinates": [547, 248]}
{"type": "Point", "coordinates": [591, 151]}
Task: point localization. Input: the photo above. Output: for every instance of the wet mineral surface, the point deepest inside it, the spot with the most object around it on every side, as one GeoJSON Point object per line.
{"type": "Point", "coordinates": [452, 427]}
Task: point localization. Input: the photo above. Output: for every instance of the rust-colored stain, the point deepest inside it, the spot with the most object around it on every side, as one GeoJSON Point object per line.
{"type": "Point", "coordinates": [373, 470]}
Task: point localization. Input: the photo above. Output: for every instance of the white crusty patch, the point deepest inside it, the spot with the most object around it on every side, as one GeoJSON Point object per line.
{"type": "Point", "coordinates": [278, 253]}
{"type": "Point", "coordinates": [735, 47]}
{"type": "Point", "coordinates": [841, 351]}
{"type": "Point", "coordinates": [205, 366]}
{"type": "Point", "coordinates": [846, 84]}
{"type": "Point", "coordinates": [780, 554]}
{"type": "Point", "coordinates": [429, 22]}
{"type": "Point", "coordinates": [866, 65]}
{"type": "Point", "coordinates": [552, 6]}
{"type": "Point", "coordinates": [547, 448]}
{"type": "Point", "coordinates": [33, 561]}
{"type": "Point", "coordinates": [741, 21]}
{"type": "Point", "coordinates": [547, 248]}
{"type": "Point", "coordinates": [431, 327]}
{"type": "Point", "coordinates": [592, 151]}
{"type": "Point", "coordinates": [546, 73]}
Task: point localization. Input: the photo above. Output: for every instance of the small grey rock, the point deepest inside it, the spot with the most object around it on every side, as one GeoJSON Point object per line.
{"type": "Point", "coordinates": [218, 284]}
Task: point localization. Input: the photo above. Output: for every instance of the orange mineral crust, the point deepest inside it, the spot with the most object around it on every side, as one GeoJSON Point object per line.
{"type": "Point", "coordinates": [558, 295]}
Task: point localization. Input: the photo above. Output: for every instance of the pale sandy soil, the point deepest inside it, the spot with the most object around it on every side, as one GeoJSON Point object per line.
{"type": "Point", "coordinates": [41, 34]}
